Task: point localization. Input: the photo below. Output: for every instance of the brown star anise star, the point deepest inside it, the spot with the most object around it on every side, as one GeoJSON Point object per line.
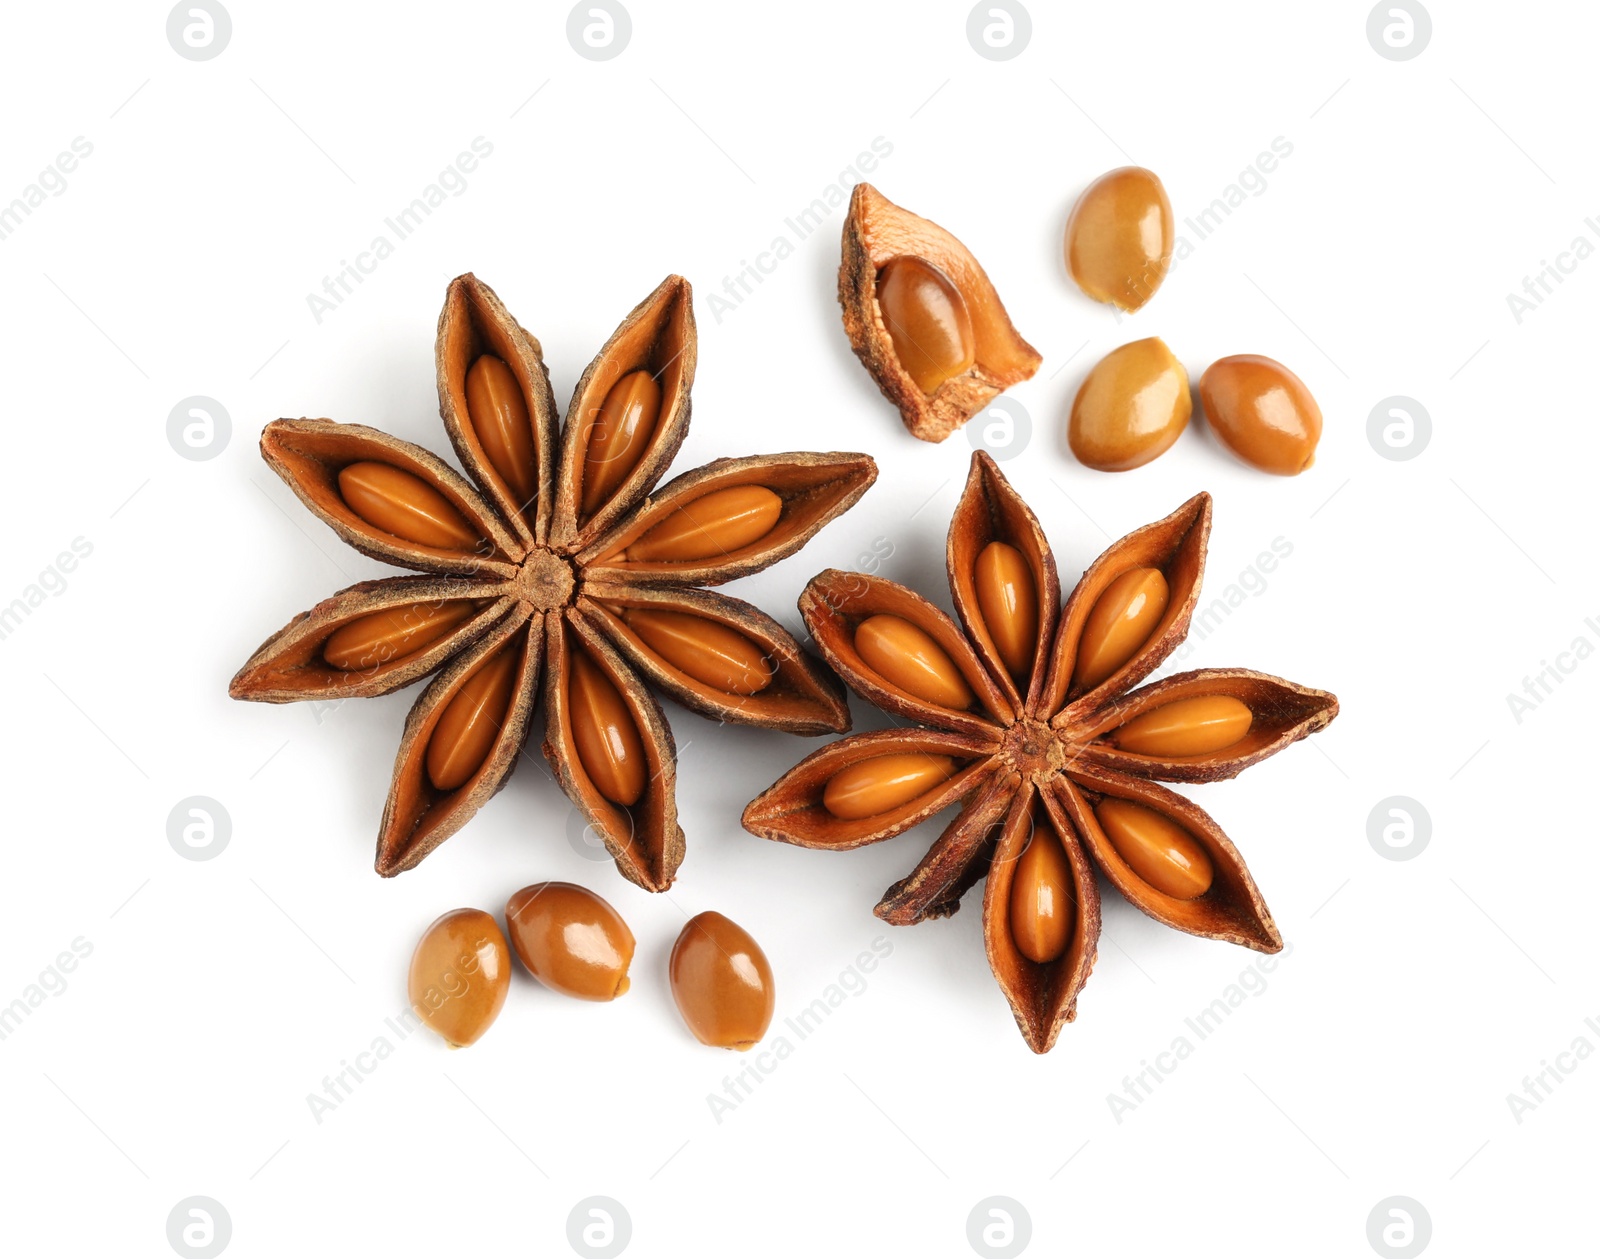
{"type": "Point", "coordinates": [561, 564]}
{"type": "Point", "coordinates": [1029, 721]}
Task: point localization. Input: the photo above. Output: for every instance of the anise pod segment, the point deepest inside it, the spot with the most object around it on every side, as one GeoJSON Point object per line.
{"type": "Point", "coordinates": [923, 317]}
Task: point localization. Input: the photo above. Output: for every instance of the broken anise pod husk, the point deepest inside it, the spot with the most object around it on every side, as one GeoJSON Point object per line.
{"type": "Point", "coordinates": [1027, 716]}
{"type": "Point", "coordinates": [923, 317]}
{"type": "Point", "coordinates": [554, 567]}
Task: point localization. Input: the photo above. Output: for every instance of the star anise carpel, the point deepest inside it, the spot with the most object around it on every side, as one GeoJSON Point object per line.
{"type": "Point", "coordinates": [553, 566]}
{"type": "Point", "coordinates": [1028, 717]}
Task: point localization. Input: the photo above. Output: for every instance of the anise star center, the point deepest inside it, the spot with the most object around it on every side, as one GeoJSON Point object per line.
{"type": "Point", "coordinates": [1036, 750]}
{"type": "Point", "coordinates": [545, 581]}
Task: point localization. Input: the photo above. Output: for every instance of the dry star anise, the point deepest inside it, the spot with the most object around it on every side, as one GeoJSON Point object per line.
{"type": "Point", "coordinates": [1028, 719]}
{"type": "Point", "coordinates": [561, 561]}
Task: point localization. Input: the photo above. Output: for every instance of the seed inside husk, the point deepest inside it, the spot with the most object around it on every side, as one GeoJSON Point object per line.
{"type": "Point", "coordinates": [1042, 906]}
{"type": "Point", "coordinates": [400, 503]}
{"type": "Point", "coordinates": [1009, 604]}
{"type": "Point", "coordinates": [710, 527]}
{"type": "Point", "coordinates": [604, 731]}
{"type": "Point", "coordinates": [908, 657]}
{"type": "Point", "coordinates": [706, 650]}
{"type": "Point", "coordinates": [1121, 621]}
{"type": "Point", "coordinates": [928, 321]}
{"type": "Point", "coordinates": [880, 784]}
{"type": "Point", "coordinates": [1160, 852]}
{"type": "Point", "coordinates": [1187, 727]}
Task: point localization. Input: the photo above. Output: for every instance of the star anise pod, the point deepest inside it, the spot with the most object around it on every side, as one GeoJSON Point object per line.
{"type": "Point", "coordinates": [1027, 718]}
{"type": "Point", "coordinates": [561, 564]}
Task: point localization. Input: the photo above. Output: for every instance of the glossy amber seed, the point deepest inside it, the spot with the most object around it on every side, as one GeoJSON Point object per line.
{"type": "Point", "coordinates": [907, 657]}
{"type": "Point", "coordinates": [466, 730]}
{"type": "Point", "coordinates": [1186, 727]}
{"type": "Point", "coordinates": [499, 415]}
{"type": "Point", "coordinates": [381, 638]}
{"type": "Point", "coordinates": [1009, 605]}
{"type": "Point", "coordinates": [1132, 406]}
{"type": "Point", "coordinates": [928, 321]}
{"type": "Point", "coordinates": [604, 730]}
{"type": "Point", "coordinates": [1160, 851]}
{"type": "Point", "coordinates": [618, 437]}
{"type": "Point", "coordinates": [1042, 902]}
{"type": "Point", "coordinates": [1120, 623]}
{"type": "Point", "coordinates": [706, 650]}
{"type": "Point", "coordinates": [882, 783]}
{"type": "Point", "coordinates": [460, 973]}
{"type": "Point", "coordinates": [1262, 412]}
{"type": "Point", "coordinates": [397, 502]}
{"type": "Point", "coordinates": [712, 526]}
{"type": "Point", "coordinates": [1119, 237]}
{"type": "Point", "coordinates": [721, 982]}
{"type": "Point", "coordinates": [571, 940]}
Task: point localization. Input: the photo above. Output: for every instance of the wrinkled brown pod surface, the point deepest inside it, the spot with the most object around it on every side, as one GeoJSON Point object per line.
{"type": "Point", "coordinates": [558, 568]}
{"type": "Point", "coordinates": [923, 317]}
{"type": "Point", "coordinates": [1262, 412]}
{"type": "Point", "coordinates": [1119, 237]}
{"type": "Point", "coordinates": [1055, 762]}
{"type": "Point", "coordinates": [721, 982]}
{"type": "Point", "coordinates": [460, 974]}
{"type": "Point", "coordinates": [571, 940]}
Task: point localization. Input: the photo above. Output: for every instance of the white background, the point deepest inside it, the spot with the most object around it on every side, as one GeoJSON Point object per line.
{"type": "Point", "coordinates": [1417, 994]}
